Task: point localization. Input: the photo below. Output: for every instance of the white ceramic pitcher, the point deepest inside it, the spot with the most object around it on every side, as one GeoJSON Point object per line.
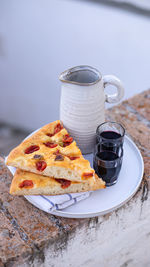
{"type": "Point", "coordinates": [82, 105]}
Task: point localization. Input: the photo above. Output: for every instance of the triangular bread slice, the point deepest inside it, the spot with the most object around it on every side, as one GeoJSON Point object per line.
{"type": "Point", "coordinates": [51, 152]}
{"type": "Point", "coordinates": [26, 183]}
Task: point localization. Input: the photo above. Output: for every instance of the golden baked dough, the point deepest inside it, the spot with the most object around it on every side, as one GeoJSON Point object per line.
{"type": "Point", "coordinates": [51, 152]}
{"type": "Point", "coordinates": [26, 183]}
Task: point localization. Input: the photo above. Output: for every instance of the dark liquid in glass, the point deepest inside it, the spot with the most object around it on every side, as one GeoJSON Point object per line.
{"type": "Point", "coordinates": [112, 139]}
{"type": "Point", "coordinates": [110, 135]}
{"type": "Point", "coordinates": [108, 172]}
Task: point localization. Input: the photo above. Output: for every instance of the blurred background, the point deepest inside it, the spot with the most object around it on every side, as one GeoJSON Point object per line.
{"type": "Point", "coordinates": [41, 38]}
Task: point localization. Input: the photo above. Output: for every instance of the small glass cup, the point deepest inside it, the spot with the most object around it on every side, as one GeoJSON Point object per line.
{"type": "Point", "coordinates": [107, 163]}
{"type": "Point", "coordinates": [110, 132]}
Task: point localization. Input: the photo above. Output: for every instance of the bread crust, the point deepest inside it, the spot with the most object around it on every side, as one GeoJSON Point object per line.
{"type": "Point", "coordinates": [43, 185]}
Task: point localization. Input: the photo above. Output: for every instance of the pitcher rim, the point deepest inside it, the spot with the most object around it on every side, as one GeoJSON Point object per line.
{"type": "Point", "coordinates": [81, 68]}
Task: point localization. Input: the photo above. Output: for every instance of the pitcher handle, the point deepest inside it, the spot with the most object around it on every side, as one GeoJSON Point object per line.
{"type": "Point", "coordinates": [113, 80]}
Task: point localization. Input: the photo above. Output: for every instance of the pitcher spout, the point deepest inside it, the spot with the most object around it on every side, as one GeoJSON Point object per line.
{"type": "Point", "coordinates": [81, 75]}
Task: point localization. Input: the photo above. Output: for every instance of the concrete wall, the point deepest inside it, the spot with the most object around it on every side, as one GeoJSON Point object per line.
{"type": "Point", "coordinates": [118, 240]}
{"type": "Point", "coordinates": [39, 39]}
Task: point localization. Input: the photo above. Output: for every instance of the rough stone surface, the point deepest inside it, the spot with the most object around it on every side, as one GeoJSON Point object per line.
{"type": "Point", "coordinates": [141, 105]}
{"type": "Point", "coordinates": [12, 246]}
{"type": "Point", "coordinates": [135, 127]}
{"type": "Point", "coordinates": [30, 237]}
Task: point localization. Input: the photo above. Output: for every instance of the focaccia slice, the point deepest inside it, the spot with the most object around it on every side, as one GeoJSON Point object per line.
{"type": "Point", "coordinates": [52, 152]}
{"type": "Point", "coordinates": [26, 183]}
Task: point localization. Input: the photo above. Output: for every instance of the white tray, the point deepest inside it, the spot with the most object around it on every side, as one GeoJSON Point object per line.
{"type": "Point", "coordinates": [103, 201]}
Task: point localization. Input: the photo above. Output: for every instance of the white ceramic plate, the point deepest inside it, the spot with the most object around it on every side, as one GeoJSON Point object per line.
{"type": "Point", "coordinates": [103, 201]}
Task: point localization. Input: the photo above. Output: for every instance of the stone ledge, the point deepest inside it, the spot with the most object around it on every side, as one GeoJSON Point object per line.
{"type": "Point", "coordinates": [34, 228]}
{"type": "Point", "coordinates": [29, 232]}
{"type": "Point", "coordinates": [141, 104]}
{"type": "Point", "coordinates": [11, 245]}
